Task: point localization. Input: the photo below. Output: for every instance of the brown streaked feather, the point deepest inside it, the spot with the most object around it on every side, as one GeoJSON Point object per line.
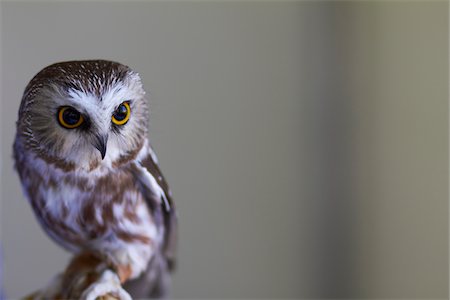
{"type": "Point", "coordinates": [129, 156]}
{"type": "Point", "coordinates": [167, 212]}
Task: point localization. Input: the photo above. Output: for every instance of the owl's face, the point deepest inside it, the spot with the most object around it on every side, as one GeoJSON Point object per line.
{"type": "Point", "coordinates": [85, 113]}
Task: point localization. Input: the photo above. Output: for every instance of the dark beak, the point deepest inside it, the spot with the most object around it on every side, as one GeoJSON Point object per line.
{"type": "Point", "coordinates": [100, 144]}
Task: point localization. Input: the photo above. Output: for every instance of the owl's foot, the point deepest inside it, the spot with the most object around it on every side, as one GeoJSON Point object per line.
{"type": "Point", "coordinates": [106, 287]}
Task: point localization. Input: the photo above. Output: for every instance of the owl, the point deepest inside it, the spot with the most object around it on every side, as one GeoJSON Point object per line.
{"type": "Point", "coordinates": [92, 177]}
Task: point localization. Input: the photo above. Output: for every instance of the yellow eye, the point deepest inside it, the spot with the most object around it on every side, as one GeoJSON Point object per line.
{"type": "Point", "coordinates": [69, 117]}
{"type": "Point", "coordinates": [122, 114]}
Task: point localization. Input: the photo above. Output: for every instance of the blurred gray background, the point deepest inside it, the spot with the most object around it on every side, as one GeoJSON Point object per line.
{"type": "Point", "coordinates": [306, 143]}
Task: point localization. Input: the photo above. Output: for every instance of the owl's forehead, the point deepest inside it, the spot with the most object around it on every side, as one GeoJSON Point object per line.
{"type": "Point", "coordinates": [90, 76]}
{"type": "Point", "coordinates": [108, 98]}
{"type": "Point", "coordinates": [89, 84]}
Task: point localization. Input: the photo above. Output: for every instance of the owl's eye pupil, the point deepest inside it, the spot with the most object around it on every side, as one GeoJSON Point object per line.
{"type": "Point", "coordinates": [121, 113]}
{"type": "Point", "coordinates": [71, 116]}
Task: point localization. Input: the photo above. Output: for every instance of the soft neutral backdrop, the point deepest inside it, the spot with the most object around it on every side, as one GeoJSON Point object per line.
{"type": "Point", "coordinates": [306, 142]}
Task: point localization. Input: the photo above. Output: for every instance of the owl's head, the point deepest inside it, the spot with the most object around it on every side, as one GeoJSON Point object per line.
{"type": "Point", "coordinates": [84, 113]}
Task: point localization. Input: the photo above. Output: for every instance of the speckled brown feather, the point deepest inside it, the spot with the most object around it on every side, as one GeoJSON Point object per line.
{"type": "Point", "coordinates": [169, 213]}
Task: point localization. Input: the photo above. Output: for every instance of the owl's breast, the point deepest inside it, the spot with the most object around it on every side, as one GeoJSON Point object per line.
{"type": "Point", "coordinates": [105, 212]}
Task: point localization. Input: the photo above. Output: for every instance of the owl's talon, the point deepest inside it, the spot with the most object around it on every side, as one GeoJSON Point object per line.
{"type": "Point", "coordinates": [107, 287]}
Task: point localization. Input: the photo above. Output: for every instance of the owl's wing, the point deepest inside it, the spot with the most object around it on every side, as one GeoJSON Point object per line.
{"type": "Point", "coordinates": [159, 199]}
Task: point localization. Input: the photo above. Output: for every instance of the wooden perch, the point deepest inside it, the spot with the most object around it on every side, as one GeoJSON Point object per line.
{"type": "Point", "coordinates": [83, 271]}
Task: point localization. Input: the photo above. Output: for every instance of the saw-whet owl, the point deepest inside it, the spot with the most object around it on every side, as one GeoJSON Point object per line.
{"type": "Point", "coordinates": [90, 174]}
